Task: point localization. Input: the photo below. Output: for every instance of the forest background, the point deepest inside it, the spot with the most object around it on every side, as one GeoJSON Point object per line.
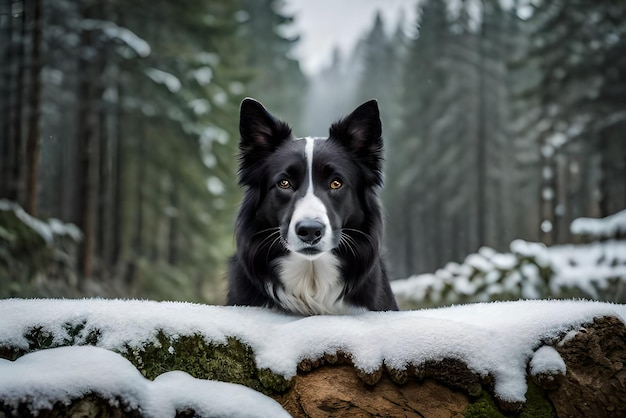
{"type": "Point", "coordinates": [502, 120]}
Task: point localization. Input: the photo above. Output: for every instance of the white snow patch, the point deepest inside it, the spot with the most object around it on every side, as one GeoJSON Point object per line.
{"type": "Point", "coordinates": [478, 262]}
{"type": "Point", "coordinates": [531, 271]}
{"type": "Point", "coordinates": [546, 360]}
{"type": "Point", "coordinates": [588, 267]}
{"type": "Point", "coordinates": [203, 75]}
{"type": "Point", "coordinates": [61, 228]}
{"type": "Point", "coordinates": [491, 338]}
{"type": "Point", "coordinates": [178, 391]}
{"type": "Point", "coordinates": [535, 250]}
{"type": "Point", "coordinates": [215, 186]}
{"type": "Point", "coordinates": [200, 106]}
{"type": "Point", "coordinates": [46, 230]}
{"type": "Point", "coordinates": [504, 261]}
{"type": "Point", "coordinates": [208, 58]}
{"type": "Point", "coordinates": [113, 31]}
{"type": "Point", "coordinates": [42, 378]}
{"type": "Point", "coordinates": [134, 42]}
{"type": "Point", "coordinates": [608, 227]}
{"type": "Point", "coordinates": [169, 80]}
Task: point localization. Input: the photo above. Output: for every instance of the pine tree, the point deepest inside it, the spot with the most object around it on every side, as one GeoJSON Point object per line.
{"type": "Point", "coordinates": [380, 75]}
{"type": "Point", "coordinates": [579, 93]}
{"type": "Point", "coordinates": [276, 78]}
{"type": "Point", "coordinates": [140, 136]}
{"type": "Point", "coordinates": [415, 201]}
{"type": "Point", "coordinates": [185, 139]}
{"type": "Point", "coordinates": [452, 170]}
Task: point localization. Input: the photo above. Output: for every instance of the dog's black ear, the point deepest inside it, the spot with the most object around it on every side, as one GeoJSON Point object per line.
{"type": "Point", "coordinates": [260, 131]}
{"type": "Point", "coordinates": [260, 134]}
{"type": "Point", "coordinates": [361, 133]}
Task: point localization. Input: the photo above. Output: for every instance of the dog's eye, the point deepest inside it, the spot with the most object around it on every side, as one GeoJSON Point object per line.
{"type": "Point", "coordinates": [284, 184]}
{"type": "Point", "coordinates": [336, 184]}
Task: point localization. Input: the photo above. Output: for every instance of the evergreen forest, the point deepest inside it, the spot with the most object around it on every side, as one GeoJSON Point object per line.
{"type": "Point", "coordinates": [502, 120]}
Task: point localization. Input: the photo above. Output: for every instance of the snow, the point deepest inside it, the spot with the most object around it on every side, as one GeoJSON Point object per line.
{"type": "Point", "coordinates": [125, 35]}
{"type": "Point", "coordinates": [62, 374]}
{"type": "Point", "coordinates": [169, 80]}
{"type": "Point", "coordinates": [588, 267]}
{"type": "Point", "coordinates": [178, 391]}
{"type": "Point", "coordinates": [215, 186]}
{"type": "Point", "coordinates": [608, 227]}
{"type": "Point", "coordinates": [478, 262]}
{"type": "Point", "coordinates": [546, 360]}
{"type": "Point", "coordinates": [203, 75]}
{"type": "Point", "coordinates": [46, 230]}
{"type": "Point", "coordinates": [128, 37]}
{"type": "Point", "coordinates": [535, 250]}
{"type": "Point", "coordinates": [200, 106]}
{"type": "Point", "coordinates": [496, 339]}
{"type": "Point", "coordinates": [504, 261]}
{"type": "Point", "coordinates": [530, 271]}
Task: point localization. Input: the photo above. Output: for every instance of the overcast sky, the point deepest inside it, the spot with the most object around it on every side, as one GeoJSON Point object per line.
{"type": "Point", "coordinates": [322, 24]}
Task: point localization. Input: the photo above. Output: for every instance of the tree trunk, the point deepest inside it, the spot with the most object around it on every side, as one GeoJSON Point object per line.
{"type": "Point", "coordinates": [16, 106]}
{"type": "Point", "coordinates": [481, 144]}
{"type": "Point", "coordinates": [118, 171]}
{"type": "Point", "coordinates": [141, 179]}
{"type": "Point", "coordinates": [34, 106]}
{"type": "Point", "coordinates": [6, 109]}
{"type": "Point", "coordinates": [104, 198]}
{"type": "Point", "coordinates": [173, 217]}
{"type": "Point", "coordinates": [88, 150]}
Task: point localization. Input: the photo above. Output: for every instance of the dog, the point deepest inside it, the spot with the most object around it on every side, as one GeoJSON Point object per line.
{"type": "Point", "coordinates": [309, 229]}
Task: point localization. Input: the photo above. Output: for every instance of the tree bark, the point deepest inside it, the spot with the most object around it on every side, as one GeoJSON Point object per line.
{"type": "Point", "coordinates": [88, 150]}
{"type": "Point", "coordinates": [34, 106]}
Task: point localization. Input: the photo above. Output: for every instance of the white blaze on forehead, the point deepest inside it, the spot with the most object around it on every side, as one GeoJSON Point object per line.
{"type": "Point", "coordinates": [308, 151]}
{"type": "Point", "coordinates": [309, 207]}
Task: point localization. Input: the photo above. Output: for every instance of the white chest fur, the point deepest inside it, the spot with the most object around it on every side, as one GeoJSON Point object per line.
{"type": "Point", "coordinates": [311, 287]}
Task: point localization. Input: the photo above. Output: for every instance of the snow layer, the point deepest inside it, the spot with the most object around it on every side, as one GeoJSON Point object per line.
{"type": "Point", "coordinates": [591, 267]}
{"type": "Point", "coordinates": [547, 360]}
{"type": "Point", "coordinates": [47, 230]}
{"type": "Point", "coordinates": [125, 35]}
{"type": "Point", "coordinates": [493, 338]}
{"type": "Point", "coordinates": [169, 80]}
{"type": "Point", "coordinates": [42, 378]}
{"type": "Point", "coordinates": [608, 227]}
{"type": "Point", "coordinates": [531, 271]}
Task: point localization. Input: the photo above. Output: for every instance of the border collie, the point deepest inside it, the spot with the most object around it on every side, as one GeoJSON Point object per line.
{"type": "Point", "coordinates": [309, 228]}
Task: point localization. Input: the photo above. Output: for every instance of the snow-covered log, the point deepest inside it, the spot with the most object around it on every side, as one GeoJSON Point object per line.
{"type": "Point", "coordinates": [140, 357]}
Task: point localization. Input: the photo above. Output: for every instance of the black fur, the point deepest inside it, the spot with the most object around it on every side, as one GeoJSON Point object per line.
{"type": "Point", "coordinates": [269, 152]}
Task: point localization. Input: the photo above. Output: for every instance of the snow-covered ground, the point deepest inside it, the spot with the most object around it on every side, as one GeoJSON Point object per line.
{"type": "Point", "coordinates": [530, 271]}
{"type": "Point", "coordinates": [497, 339]}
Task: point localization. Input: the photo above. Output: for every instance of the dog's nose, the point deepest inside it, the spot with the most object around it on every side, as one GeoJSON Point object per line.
{"type": "Point", "coordinates": [310, 231]}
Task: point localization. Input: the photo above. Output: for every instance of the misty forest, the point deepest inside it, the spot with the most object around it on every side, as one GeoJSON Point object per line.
{"type": "Point", "coordinates": [504, 122]}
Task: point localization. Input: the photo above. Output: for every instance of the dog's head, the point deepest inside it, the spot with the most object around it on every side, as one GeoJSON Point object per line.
{"type": "Point", "coordinates": [307, 193]}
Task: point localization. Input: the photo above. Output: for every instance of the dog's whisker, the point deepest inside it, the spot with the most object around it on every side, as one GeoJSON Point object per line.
{"type": "Point", "coordinates": [269, 250]}
{"type": "Point", "coordinates": [348, 242]}
{"type": "Point", "coordinates": [275, 228]}
{"type": "Point", "coordinates": [366, 235]}
{"type": "Point", "coordinates": [276, 240]}
{"type": "Point", "coordinates": [267, 239]}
